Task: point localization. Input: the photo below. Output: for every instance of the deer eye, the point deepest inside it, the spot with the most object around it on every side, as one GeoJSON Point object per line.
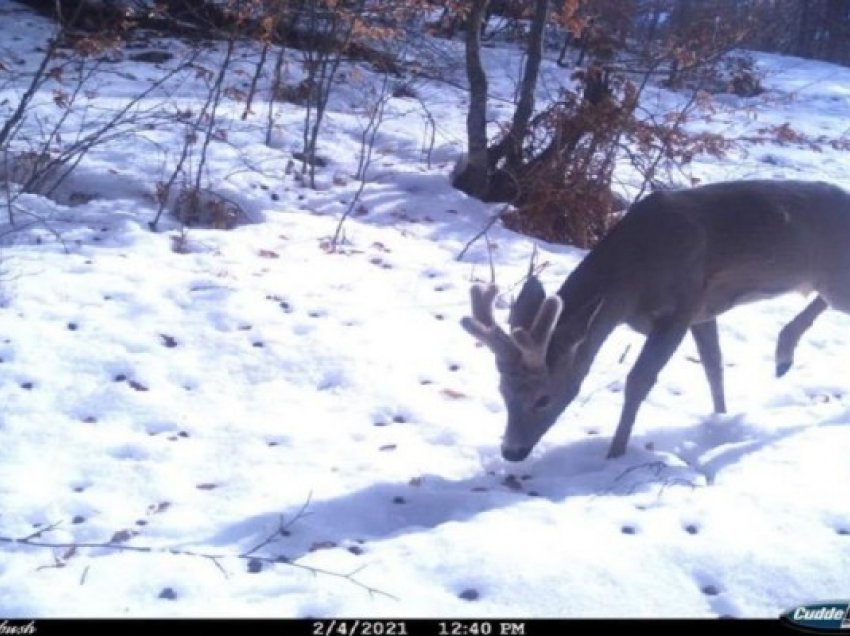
{"type": "Point", "coordinates": [541, 403]}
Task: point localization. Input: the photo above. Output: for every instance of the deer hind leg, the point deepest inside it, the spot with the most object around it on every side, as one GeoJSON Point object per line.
{"type": "Point", "coordinates": [708, 346]}
{"type": "Point", "coordinates": [660, 345]}
{"type": "Point", "coordinates": [793, 331]}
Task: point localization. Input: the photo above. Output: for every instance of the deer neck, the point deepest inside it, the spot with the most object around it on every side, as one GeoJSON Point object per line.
{"type": "Point", "coordinates": [592, 308]}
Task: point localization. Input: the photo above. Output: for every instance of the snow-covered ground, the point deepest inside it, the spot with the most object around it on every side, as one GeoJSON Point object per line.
{"type": "Point", "coordinates": [260, 398]}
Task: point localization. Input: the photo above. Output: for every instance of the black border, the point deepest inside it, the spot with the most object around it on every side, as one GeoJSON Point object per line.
{"type": "Point", "coordinates": [412, 627]}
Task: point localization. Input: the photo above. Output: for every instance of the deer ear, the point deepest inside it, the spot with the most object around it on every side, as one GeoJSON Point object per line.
{"type": "Point", "coordinates": [525, 307]}
{"type": "Point", "coordinates": [586, 317]}
{"type": "Point", "coordinates": [570, 335]}
{"type": "Point", "coordinates": [590, 312]}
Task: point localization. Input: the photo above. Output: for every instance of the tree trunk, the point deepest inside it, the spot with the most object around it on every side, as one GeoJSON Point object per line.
{"type": "Point", "coordinates": [525, 104]}
{"type": "Point", "coordinates": [836, 29]}
{"type": "Point", "coordinates": [473, 177]}
{"type": "Point", "coordinates": [568, 38]}
{"type": "Point", "coordinates": [803, 36]}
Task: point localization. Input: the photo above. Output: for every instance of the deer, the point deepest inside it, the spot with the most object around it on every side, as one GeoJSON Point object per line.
{"type": "Point", "coordinates": [675, 261]}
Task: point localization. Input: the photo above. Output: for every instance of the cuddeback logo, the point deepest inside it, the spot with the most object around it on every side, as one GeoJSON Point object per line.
{"type": "Point", "coordinates": [829, 616]}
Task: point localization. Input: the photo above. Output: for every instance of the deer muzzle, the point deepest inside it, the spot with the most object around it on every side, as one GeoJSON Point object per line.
{"type": "Point", "coordinates": [515, 454]}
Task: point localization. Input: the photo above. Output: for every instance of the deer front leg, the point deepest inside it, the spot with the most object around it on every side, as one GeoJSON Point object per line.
{"type": "Point", "coordinates": [791, 333]}
{"type": "Point", "coordinates": [708, 346]}
{"type": "Point", "coordinates": [660, 345]}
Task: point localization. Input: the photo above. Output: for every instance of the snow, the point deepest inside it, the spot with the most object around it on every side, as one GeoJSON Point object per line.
{"type": "Point", "coordinates": [198, 403]}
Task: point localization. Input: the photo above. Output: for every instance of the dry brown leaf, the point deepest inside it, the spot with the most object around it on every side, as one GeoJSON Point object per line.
{"type": "Point", "coordinates": [453, 394]}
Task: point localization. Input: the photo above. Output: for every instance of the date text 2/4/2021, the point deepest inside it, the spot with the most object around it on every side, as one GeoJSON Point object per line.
{"type": "Point", "coordinates": [357, 627]}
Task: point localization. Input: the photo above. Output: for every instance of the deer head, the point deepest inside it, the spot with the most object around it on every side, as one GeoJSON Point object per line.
{"type": "Point", "coordinates": [539, 362]}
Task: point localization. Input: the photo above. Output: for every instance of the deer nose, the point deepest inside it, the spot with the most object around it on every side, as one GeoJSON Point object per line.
{"type": "Point", "coordinates": [515, 454]}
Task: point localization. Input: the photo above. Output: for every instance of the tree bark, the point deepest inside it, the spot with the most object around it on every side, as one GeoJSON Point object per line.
{"type": "Point", "coordinates": [836, 29]}
{"type": "Point", "coordinates": [473, 177]}
{"type": "Point", "coordinates": [525, 104]}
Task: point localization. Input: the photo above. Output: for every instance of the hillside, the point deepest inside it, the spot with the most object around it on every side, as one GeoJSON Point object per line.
{"type": "Point", "coordinates": [253, 397]}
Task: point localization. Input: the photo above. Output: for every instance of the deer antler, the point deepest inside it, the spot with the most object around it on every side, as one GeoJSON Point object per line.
{"type": "Point", "coordinates": [531, 344]}
{"type": "Point", "coordinates": [483, 326]}
{"type": "Point", "coordinates": [534, 343]}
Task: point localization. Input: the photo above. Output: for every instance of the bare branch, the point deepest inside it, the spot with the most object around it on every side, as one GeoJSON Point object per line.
{"type": "Point", "coordinates": [214, 558]}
